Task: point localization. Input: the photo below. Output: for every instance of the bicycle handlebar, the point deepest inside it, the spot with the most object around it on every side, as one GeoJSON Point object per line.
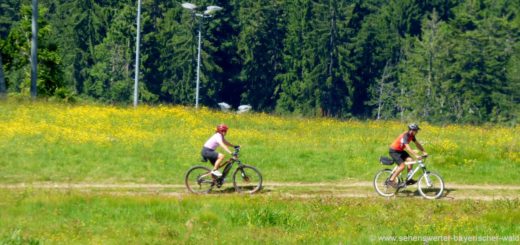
{"type": "Point", "coordinates": [417, 161]}
{"type": "Point", "coordinates": [237, 149]}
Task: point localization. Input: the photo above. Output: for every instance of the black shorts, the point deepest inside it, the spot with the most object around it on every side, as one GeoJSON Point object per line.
{"type": "Point", "coordinates": [399, 156]}
{"type": "Point", "coordinates": [209, 154]}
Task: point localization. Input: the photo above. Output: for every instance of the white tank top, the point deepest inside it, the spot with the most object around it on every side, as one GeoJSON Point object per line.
{"type": "Point", "coordinates": [214, 141]}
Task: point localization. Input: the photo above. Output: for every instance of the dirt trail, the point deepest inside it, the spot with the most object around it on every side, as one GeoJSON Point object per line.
{"type": "Point", "coordinates": [369, 184]}
{"type": "Point", "coordinates": [62, 185]}
{"type": "Point", "coordinates": [282, 189]}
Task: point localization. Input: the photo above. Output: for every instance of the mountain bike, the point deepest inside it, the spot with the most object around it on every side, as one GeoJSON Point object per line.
{"type": "Point", "coordinates": [430, 184]}
{"type": "Point", "coordinates": [246, 178]}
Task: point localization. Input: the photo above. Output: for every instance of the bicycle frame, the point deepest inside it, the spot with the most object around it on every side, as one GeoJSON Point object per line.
{"type": "Point", "coordinates": [415, 170]}
{"type": "Point", "coordinates": [228, 165]}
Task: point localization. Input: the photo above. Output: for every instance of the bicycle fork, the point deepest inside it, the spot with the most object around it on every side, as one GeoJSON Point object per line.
{"type": "Point", "coordinates": [427, 177]}
{"type": "Point", "coordinates": [243, 174]}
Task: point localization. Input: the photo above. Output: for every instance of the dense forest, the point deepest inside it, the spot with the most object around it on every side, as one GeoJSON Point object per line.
{"type": "Point", "coordinates": [433, 60]}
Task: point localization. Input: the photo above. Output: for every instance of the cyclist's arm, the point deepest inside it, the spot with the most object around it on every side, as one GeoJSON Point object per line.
{"type": "Point", "coordinates": [411, 151]}
{"type": "Point", "coordinates": [223, 143]}
{"type": "Point", "coordinates": [228, 144]}
{"type": "Point", "coordinates": [420, 147]}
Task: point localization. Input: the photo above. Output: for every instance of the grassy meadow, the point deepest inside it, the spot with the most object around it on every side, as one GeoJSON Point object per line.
{"type": "Point", "coordinates": [60, 143]}
{"type": "Point", "coordinates": [90, 143]}
{"type": "Point", "coordinates": [78, 218]}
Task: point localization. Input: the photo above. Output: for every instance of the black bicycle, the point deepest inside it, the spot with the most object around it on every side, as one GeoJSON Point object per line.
{"type": "Point", "coordinates": [246, 179]}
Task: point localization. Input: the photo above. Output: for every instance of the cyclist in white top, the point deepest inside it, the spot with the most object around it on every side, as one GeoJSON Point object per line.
{"type": "Point", "coordinates": [208, 151]}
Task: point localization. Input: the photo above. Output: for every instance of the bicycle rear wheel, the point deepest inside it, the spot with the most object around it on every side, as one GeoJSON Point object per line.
{"type": "Point", "coordinates": [198, 180]}
{"type": "Point", "coordinates": [430, 185]}
{"type": "Point", "coordinates": [247, 179]}
{"type": "Point", "coordinates": [380, 183]}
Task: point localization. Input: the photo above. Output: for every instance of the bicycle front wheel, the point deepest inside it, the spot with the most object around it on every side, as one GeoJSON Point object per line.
{"type": "Point", "coordinates": [380, 183]}
{"type": "Point", "coordinates": [247, 179]}
{"type": "Point", "coordinates": [198, 180]}
{"type": "Point", "coordinates": [431, 185]}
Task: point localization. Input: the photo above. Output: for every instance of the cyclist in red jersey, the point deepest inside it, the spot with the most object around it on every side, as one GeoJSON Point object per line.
{"type": "Point", "coordinates": [400, 151]}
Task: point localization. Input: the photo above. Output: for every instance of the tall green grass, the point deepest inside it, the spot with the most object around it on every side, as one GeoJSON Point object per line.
{"type": "Point", "coordinates": [43, 141]}
{"type": "Point", "coordinates": [79, 218]}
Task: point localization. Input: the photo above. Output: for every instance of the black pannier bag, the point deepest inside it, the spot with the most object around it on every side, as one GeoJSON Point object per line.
{"type": "Point", "coordinates": [386, 160]}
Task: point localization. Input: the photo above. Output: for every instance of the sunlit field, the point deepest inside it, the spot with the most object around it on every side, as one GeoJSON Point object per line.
{"type": "Point", "coordinates": [79, 218]}
{"type": "Point", "coordinates": [43, 142]}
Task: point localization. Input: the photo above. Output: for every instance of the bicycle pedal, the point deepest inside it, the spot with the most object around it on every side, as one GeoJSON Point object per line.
{"type": "Point", "coordinates": [411, 182]}
{"type": "Point", "coordinates": [220, 182]}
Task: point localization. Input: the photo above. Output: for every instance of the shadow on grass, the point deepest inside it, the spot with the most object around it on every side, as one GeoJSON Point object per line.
{"type": "Point", "coordinates": [230, 189]}
{"type": "Point", "coordinates": [416, 193]}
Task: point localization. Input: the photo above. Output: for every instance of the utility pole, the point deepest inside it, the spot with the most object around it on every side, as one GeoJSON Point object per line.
{"type": "Point", "coordinates": [208, 13]}
{"type": "Point", "coordinates": [137, 41]}
{"type": "Point", "coordinates": [34, 48]}
{"type": "Point", "coordinates": [198, 67]}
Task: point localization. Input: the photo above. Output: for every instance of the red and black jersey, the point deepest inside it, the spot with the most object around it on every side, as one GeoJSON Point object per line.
{"type": "Point", "coordinates": [403, 139]}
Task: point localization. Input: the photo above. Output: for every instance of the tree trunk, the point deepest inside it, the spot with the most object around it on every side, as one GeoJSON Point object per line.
{"type": "Point", "coordinates": [3, 90]}
{"type": "Point", "coordinates": [381, 89]}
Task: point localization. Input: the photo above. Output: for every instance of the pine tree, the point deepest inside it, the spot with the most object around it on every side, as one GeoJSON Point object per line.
{"type": "Point", "coordinates": [8, 15]}
{"type": "Point", "coordinates": [378, 38]}
{"type": "Point", "coordinates": [151, 50]}
{"type": "Point", "coordinates": [16, 48]}
{"type": "Point", "coordinates": [330, 21]}
{"type": "Point", "coordinates": [511, 110]}
{"type": "Point", "coordinates": [295, 95]}
{"type": "Point", "coordinates": [226, 56]}
{"type": "Point", "coordinates": [315, 80]}
{"type": "Point", "coordinates": [177, 60]}
{"type": "Point", "coordinates": [259, 46]}
{"type": "Point", "coordinates": [111, 75]}
{"type": "Point", "coordinates": [82, 25]}
{"type": "Point", "coordinates": [423, 74]}
{"type": "Point", "coordinates": [384, 92]}
{"type": "Point", "coordinates": [481, 52]}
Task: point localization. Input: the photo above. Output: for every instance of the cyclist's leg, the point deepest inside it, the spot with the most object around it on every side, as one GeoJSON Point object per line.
{"type": "Point", "coordinates": [212, 156]}
{"type": "Point", "coordinates": [409, 159]}
{"type": "Point", "coordinates": [219, 160]}
{"type": "Point", "coordinates": [397, 171]}
{"type": "Point", "coordinates": [399, 158]}
{"type": "Point", "coordinates": [409, 166]}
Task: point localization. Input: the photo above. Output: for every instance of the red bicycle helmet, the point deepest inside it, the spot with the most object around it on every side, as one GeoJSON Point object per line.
{"type": "Point", "coordinates": [221, 128]}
